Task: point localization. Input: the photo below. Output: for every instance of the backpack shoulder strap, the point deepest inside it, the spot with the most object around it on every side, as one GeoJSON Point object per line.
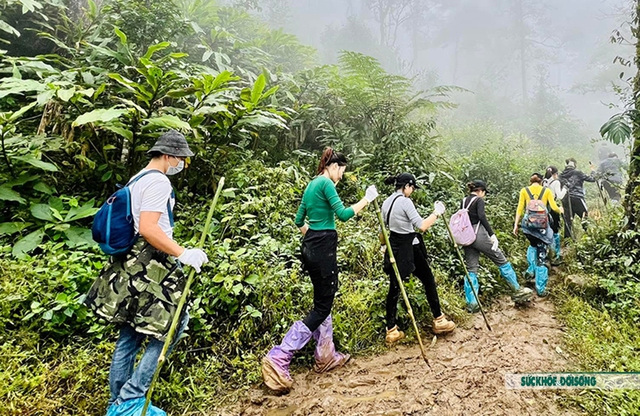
{"type": "Point", "coordinates": [471, 201]}
{"type": "Point", "coordinates": [391, 207]}
{"type": "Point", "coordinates": [544, 189]}
{"type": "Point", "coordinates": [137, 178]}
{"type": "Point", "coordinates": [526, 188]}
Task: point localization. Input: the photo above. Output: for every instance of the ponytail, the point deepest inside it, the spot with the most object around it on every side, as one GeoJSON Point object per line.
{"type": "Point", "coordinates": [471, 187]}
{"type": "Point", "coordinates": [551, 170]}
{"type": "Point", "coordinates": [329, 157]}
{"type": "Point", "coordinates": [391, 180]}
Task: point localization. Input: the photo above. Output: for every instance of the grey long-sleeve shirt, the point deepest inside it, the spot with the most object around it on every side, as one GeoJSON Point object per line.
{"type": "Point", "coordinates": [404, 218]}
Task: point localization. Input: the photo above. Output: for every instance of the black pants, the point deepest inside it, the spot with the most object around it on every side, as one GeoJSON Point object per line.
{"type": "Point", "coordinates": [422, 272]}
{"type": "Point", "coordinates": [319, 258]}
{"type": "Point", "coordinates": [573, 206]}
{"type": "Point", "coordinates": [555, 221]}
{"type": "Point", "coordinates": [612, 190]}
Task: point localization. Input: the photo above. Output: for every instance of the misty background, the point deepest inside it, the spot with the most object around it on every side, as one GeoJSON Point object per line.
{"type": "Point", "coordinates": [545, 68]}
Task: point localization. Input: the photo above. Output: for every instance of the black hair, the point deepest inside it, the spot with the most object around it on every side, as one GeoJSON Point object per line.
{"type": "Point", "coordinates": [551, 170]}
{"type": "Point", "coordinates": [393, 180]}
{"type": "Point", "coordinates": [329, 157]}
{"type": "Point", "coordinates": [155, 154]}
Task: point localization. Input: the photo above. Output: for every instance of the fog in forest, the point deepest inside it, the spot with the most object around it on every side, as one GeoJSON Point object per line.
{"type": "Point", "coordinates": [530, 64]}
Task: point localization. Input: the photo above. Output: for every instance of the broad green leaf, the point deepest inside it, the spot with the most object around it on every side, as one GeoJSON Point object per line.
{"type": "Point", "coordinates": [106, 176]}
{"type": "Point", "coordinates": [221, 79]}
{"type": "Point", "coordinates": [110, 53]}
{"type": "Point", "coordinates": [79, 236]}
{"type": "Point", "coordinates": [45, 96]}
{"type": "Point", "coordinates": [155, 48]}
{"type": "Point", "coordinates": [43, 187]}
{"type": "Point", "coordinates": [19, 86]}
{"type": "Point", "coordinates": [168, 122]}
{"type": "Point", "coordinates": [119, 130]}
{"type": "Point", "coordinates": [17, 114]}
{"type": "Point", "coordinates": [43, 212]}
{"type": "Point", "coordinates": [206, 55]}
{"type": "Point", "coordinates": [211, 110]}
{"type": "Point", "coordinates": [56, 203]}
{"type": "Point", "coordinates": [65, 95]}
{"type": "Point", "coordinates": [258, 87]}
{"type": "Point", "coordinates": [50, 167]}
{"type": "Point", "coordinates": [101, 115]}
{"type": "Point", "coordinates": [5, 27]}
{"type": "Point", "coordinates": [77, 213]}
{"type": "Point", "coordinates": [8, 194]}
{"type": "Point", "coordinates": [28, 243]}
{"type": "Point", "coordinates": [270, 92]}
{"type": "Point", "coordinates": [9, 228]}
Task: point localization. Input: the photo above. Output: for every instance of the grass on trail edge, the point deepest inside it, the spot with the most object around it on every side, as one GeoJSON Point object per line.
{"type": "Point", "coordinates": [599, 342]}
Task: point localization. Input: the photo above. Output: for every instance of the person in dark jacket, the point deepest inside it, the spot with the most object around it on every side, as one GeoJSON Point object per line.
{"type": "Point", "coordinates": [610, 170]}
{"type": "Point", "coordinates": [574, 203]}
{"type": "Point", "coordinates": [486, 243]}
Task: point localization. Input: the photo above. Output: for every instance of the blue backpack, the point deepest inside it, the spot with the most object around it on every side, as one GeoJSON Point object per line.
{"type": "Point", "coordinates": [113, 228]}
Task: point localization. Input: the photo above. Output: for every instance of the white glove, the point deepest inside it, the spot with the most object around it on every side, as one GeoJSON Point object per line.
{"type": "Point", "coordinates": [194, 257]}
{"type": "Point", "coordinates": [494, 240]}
{"type": "Point", "coordinates": [371, 193]}
{"type": "Point", "coordinates": [383, 249]}
{"type": "Point", "coordinates": [438, 208]}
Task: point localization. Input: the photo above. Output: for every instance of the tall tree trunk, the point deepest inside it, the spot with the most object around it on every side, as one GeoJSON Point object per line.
{"type": "Point", "coordinates": [523, 49]}
{"type": "Point", "coordinates": [632, 202]}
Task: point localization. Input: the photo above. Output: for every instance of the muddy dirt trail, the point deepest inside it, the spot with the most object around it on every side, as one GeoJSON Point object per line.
{"type": "Point", "coordinates": [466, 375]}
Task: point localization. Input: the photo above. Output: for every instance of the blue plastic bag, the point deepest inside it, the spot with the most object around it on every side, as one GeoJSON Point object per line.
{"type": "Point", "coordinates": [134, 407]}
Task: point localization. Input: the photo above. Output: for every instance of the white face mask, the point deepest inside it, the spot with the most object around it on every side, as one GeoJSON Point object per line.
{"type": "Point", "coordinates": [172, 170]}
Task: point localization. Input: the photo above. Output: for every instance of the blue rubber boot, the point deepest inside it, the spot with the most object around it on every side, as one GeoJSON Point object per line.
{"type": "Point", "coordinates": [472, 304]}
{"type": "Point", "coordinates": [532, 255]}
{"type": "Point", "coordinates": [542, 277]}
{"type": "Point", "coordinates": [506, 271]}
{"type": "Point", "coordinates": [556, 249]}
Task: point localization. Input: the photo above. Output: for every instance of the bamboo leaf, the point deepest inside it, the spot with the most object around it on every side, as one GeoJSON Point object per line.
{"type": "Point", "coordinates": [258, 87]}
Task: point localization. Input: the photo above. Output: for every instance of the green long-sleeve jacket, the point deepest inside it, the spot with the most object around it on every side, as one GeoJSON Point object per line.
{"type": "Point", "coordinates": [321, 204]}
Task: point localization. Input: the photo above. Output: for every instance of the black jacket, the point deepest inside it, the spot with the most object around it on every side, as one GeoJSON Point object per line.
{"type": "Point", "coordinates": [574, 180]}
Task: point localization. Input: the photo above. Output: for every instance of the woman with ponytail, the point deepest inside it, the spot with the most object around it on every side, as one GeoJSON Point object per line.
{"type": "Point", "coordinates": [320, 205]}
{"type": "Point", "coordinates": [486, 243]}
{"type": "Point", "coordinates": [402, 218]}
{"type": "Point", "coordinates": [552, 182]}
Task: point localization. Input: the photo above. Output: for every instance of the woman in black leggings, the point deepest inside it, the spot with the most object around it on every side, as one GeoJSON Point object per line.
{"type": "Point", "coordinates": [408, 247]}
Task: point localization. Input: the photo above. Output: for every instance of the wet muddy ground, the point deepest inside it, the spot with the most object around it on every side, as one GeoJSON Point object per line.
{"type": "Point", "coordinates": [466, 375]}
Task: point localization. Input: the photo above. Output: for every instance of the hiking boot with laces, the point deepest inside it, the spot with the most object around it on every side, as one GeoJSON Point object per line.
{"type": "Point", "coordinates": [522, 296]}
{"type": "Point", "coordinates": [442, 325]}
{"type": "Point", "coordinates": [393, 335]}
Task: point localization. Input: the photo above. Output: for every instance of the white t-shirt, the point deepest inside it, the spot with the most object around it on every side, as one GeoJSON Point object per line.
{"type": "Point", "coordinates": [151, 193]}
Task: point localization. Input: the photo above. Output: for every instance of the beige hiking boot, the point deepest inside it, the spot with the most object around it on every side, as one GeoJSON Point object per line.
{"type": "Point", "coordinates": [393, 335]}
{"type": "Point", "coordinates": [441, 325]}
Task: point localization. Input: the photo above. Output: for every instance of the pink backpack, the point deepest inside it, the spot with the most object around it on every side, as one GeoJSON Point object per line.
{"type": "Point", "coordinates": [460, 224]}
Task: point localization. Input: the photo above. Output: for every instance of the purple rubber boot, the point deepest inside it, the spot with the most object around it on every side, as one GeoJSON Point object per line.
{"type": "Point", "coordinates": [275, 365]}
{"type": "Point", "coordinates": [327, 358]}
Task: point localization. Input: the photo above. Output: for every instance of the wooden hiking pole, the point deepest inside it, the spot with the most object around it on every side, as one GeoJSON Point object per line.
{"type": "Point", "coordinates": [392, 260]}
{"type": "Point", "coordinates": [466, 272]}
{"type": "Point", "coordinates": [183, 299]}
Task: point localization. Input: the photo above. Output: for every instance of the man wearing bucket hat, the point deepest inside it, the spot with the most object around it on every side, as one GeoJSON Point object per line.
{"type": "Point", "coordinates": [140, 290]}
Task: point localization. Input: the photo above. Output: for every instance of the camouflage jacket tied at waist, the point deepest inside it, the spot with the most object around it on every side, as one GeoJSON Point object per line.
{"type": "Point", "coordinates": [142, 289]}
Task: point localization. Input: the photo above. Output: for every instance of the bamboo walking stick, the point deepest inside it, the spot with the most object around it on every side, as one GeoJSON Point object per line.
{"type": "Point", "coordinates": [392, 260]}
{"type": "Point", "coordinates": [183, 299]}
{"type": "Point", "coordinates": [466, 272]}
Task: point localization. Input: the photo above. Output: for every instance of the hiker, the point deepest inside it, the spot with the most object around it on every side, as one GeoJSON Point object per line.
{"type": "Point", "coordinates": [320, 204]}
{"type": "Point", "coordinates": [610, 170]}
{"type": "Point", "coordinates": [140, 290]}
{"type": "Point", "coordinates": [410, 253]}
{"type": "Point", "coordinates": [574, 202]}
{"type": "Point", "coordinates": [486, 242]}
{"type": "Point", "coordinates": [552, 182]}
{"type": "Point", "coordinates": [532, 208]}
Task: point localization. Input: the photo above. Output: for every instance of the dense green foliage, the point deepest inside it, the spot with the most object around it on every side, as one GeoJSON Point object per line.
{"type": "Point", "coordinates": [80, 107]}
